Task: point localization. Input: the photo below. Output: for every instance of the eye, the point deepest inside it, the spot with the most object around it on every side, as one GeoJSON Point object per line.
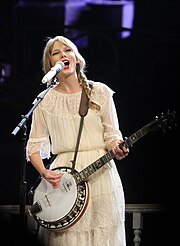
{"type": "Point", "coordinates": [68, 50]}
{"type": "Point", "coordinates": [55, 53]}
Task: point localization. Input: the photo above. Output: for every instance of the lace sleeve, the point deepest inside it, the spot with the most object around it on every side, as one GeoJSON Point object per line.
{"type": "Point", "coordinates": [38, 145]}
{"type": "Point", "coordinates": [39, 136]}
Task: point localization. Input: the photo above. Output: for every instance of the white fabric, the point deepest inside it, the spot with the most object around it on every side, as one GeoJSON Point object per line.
{"type": "Point", "coordinates": [57, 115]}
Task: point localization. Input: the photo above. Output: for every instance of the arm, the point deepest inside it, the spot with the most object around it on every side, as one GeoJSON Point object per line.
{"type": "Point", "coordinates": [51, 176]}
{"type": "Point", "coordinates": [112, 135]}
{"type": "Point", "coordinates": [38, 148]}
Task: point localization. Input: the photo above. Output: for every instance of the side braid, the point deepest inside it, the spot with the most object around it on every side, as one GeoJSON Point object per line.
{"type": "Point", "coordinates": [92, 104]}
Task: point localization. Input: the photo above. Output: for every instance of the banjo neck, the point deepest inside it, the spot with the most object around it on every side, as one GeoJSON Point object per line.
{"type": "Point", "coordinates": [89, 170]}
{"type": "Point", "coordinates": [161, 122]}
{"type": "Point", "coordinates": [128, 142]}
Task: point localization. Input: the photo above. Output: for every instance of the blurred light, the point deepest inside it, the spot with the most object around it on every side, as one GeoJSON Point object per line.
{"type": "Point", "coordinates": [5, 72]}
{"type": "Point", "coordinates": [127, 18]}
{"type": "Point", "coordinates": [117, 15]}
{"type": "Point", "coordinates": [73, 14]}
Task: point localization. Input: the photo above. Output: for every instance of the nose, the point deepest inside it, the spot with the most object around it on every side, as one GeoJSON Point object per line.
{"type": "Point", "coordinates": [63, 54]}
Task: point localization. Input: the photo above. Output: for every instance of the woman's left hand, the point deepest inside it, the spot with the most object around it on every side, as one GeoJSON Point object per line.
{"type": "Point", "coordinates": [120, 151]}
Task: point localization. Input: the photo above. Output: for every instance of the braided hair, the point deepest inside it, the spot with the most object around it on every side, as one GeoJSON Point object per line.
{"type": "Point", "coordinates": [87, 86]}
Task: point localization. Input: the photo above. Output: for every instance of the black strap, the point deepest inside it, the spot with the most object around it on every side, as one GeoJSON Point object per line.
{"type": "Point", "coordinates": [77, 144]}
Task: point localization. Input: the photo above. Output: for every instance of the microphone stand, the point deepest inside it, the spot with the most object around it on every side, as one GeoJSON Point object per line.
{"type": "Point", "coordinates": [22, 126]}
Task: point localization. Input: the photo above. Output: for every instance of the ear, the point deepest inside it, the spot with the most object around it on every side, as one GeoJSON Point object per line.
{"type": "Point", "coordinates": [77, 61]}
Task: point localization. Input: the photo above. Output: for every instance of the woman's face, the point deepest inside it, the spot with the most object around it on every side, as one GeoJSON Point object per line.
{"type": "Point", "coordinates": [61, 52]}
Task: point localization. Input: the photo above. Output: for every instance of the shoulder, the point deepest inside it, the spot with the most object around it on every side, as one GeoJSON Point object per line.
{"type": "Point", "coordinates": [101, 88]}
{"type": "Point", "coordinates": [44, 95]}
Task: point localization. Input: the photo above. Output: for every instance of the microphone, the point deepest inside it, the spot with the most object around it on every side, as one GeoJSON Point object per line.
{"type": "Point", "coordinates": [54, 70]}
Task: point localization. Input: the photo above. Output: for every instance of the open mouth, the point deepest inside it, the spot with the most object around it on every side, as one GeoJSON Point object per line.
{"type": "Point", "coordinates": [66, 64]}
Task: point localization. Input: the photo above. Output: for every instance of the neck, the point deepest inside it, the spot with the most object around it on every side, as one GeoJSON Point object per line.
{"type": "Point", "coordinates": [69, 85]}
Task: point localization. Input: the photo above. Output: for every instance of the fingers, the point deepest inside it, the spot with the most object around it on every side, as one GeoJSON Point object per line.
{"type": "Point", "coordinates": [52, 177]}
{"type": "Point", "coordinates": [120, 152]}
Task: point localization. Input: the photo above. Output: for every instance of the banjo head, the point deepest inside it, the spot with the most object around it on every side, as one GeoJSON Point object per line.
{"type": "Point", "coordinates": [62, 207]}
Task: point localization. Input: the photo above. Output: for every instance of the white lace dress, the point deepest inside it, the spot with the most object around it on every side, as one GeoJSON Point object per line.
{"type": "Point", "coordinates": [57, 116]}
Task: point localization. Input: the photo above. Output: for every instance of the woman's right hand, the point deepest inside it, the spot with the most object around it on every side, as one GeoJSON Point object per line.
{"type": "Point", "coordinates": [52, 177]}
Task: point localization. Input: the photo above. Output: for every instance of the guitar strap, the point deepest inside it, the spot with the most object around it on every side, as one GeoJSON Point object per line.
{"type": "Point", "coordinates": [83, 110]}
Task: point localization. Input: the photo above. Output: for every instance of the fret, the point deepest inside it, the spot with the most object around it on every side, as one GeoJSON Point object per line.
{"type": "Point", "coordinates": [128, 143]}
{"type": "Point", "coordinates": [85, 173]}
{"type": "Point", "coordinates": [136, 136]}
{"type": "Point", "coordinates": [133, 138]}
{"type": "Point", "coordinates": [104, 159]}
{"type": "Point", "coordinates": [98, 163]}
{"type": "Point", "coordinates": [110, 156]}
{"type": "Point", "coordinates": [83, 176]}
{"type": "Point", "coordinates": [90, 169]}
{"type": "Point", "coordinates": [94, 166]}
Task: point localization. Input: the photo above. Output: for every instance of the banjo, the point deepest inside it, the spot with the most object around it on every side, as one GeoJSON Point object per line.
{"type": "Point", "coordinates": [60, 208]}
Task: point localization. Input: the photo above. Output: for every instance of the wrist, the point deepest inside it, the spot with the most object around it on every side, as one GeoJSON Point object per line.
{"type": "Point", "coordinates": [43, 172]}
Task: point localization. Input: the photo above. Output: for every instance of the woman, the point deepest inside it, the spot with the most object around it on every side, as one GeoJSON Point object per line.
{"type": "Point", "coordinates": [54, 129]}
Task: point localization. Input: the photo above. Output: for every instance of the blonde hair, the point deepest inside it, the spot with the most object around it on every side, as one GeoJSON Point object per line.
{"type": "Point", "coordinates": [80, 67]}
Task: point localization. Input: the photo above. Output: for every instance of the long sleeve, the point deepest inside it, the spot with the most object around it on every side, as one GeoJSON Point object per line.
{"type": "Point", "coordinates": [108, 115]}
{"type": "Point", "coordinates": [39, 137]}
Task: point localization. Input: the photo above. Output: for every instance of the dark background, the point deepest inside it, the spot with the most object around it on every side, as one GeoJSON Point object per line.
{"type": "Point", "coordinates": [142, 69]}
